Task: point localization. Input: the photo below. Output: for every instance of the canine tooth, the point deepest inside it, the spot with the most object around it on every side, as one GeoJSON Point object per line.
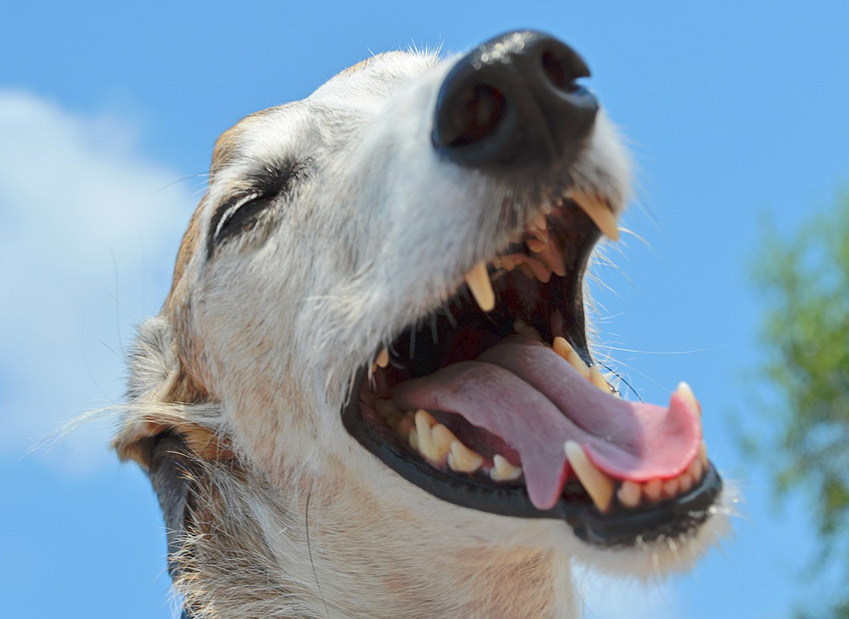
{"type": "Point", "coordinates": [597, 379]}
{"type": "Point", "coordinates": [598, 485]}
{"type": "Point", "coordinates": [703, 454]}
{"type": "Point", "coordinates": [413, 439]}
{"type": "Point", "coordinates": [503, 470]}
{"type": "Point", "coordinates": [599, 212]}
{"type": "Point", "coordinates": [629, 494]}
{"type": "Point", "coordinates": [478, 281]}
{"type": "Point", "coordinates": [685, 482]}
{"type": "Point", "coordinates": [689, 397]}
{"type": "Point", "coordinates": [383, 358]}
{"type": "Point", "coordinates": [462, 459]}
{"type": "Point", "coordinates": [652, 489]}
{"type": "Point", "coordinates": [670, 488]}
{"type": "Point", "coordinates": [536, 246]}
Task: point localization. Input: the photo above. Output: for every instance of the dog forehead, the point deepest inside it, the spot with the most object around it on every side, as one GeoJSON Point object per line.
{"type": "Point", "coordinates": [370, 82]}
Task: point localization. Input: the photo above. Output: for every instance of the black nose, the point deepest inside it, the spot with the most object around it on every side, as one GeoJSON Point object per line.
{"type": "Point", "coordinates": [513, 103]}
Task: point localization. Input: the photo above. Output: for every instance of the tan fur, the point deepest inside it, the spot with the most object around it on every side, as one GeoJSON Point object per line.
{"type": "Point", "coordinates": [253, 354]}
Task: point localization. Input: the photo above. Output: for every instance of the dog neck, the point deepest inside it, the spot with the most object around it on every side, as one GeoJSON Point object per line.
{"type": "Point", "coordinates": [251, 548]}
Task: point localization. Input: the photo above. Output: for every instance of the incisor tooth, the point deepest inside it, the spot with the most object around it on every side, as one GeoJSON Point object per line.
{"type": "Point", "coordinates": [599, 212]}
{"type": "Point", "coordinates": [629, 493]}
{"type": "Point", "coordinates": [462, 459]}
{"type": "Point", "coordinates": [685, 482]}
{"type": "Point", "coordinates": [695, 470]}
{"type": "Point", "coordinates": [670, 488]}
{"type": "Point", "coordinates": [478, 281]}
{"type": "Point", "coordinates": [503, 470]}
{"type": "Point", "coordinates": [598, 485]}
{"type": "Point", "coordinates": [689, 397]}
{"type": "Point", "coordinates": [383, 358]}
{"type": "Point", "coordinates": [652, 489]}
{"type": "Point", "coordinates": [703, 454]}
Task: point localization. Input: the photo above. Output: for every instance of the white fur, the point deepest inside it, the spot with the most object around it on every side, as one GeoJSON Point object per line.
{"type": "Point", "coordinates": [379, 233]}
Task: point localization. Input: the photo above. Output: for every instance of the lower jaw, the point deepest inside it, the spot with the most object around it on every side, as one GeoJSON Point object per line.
{"type": "Point", "coordinates": [670, 518]}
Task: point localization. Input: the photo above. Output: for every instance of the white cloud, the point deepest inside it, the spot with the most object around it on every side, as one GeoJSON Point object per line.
{"type": "Point", "coordinates": [88, 233]}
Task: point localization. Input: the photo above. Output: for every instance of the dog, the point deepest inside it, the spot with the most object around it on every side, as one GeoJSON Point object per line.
{"type": "Point", "coordinates": [370, 391]}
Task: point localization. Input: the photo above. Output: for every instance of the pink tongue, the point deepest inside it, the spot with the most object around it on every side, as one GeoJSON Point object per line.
{"type": "Point", "coordinates": [535, 400]}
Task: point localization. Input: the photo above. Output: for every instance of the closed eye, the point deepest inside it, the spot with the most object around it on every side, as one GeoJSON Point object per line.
{"type": "Point", "coordinates": [242, 212]}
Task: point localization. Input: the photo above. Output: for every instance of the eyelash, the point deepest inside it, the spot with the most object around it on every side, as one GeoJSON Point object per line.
{"type": "Point", "coordinates": [243, 211]}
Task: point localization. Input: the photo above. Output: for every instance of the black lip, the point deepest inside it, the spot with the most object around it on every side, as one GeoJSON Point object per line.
{"type": "Point", "coordinates": [619, 528]}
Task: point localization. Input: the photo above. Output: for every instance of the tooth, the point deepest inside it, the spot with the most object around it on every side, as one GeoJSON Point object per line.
{"type": "Point", "coordinates": [688, 396]}
{"type": "Point", "coordinates": [478, 282]}
{"type": "Point", "coordinates": [556, 323]}
{"type": "Point", "coordinates": [405, 426]}
{"type": "Point", "coordinates": [695, 470]}
{"type": "Point", "coordinates": [703, 454]}
{"type": "Point", "coordinates": [565, 350]}
{"type": "Point", "coordinates": [507, 262]}
{"type": "Point", "coordinates": [597, 379]}
{"type": "Point", "coordinates": [629, 494]}
{"type": "Point", "coordinates": [652, 489]}
{"type": "Point", "coordinates": [552, 257]}
{"type": "Point", "coordinates": [598, 485]}
{"type": "Point", "coordinates": [599, 212]}
{"type": "Point", "coordinates": [383, 358]}
{"type": "Point", "coordinates": [413, 439]}
{"type": "Point", "coordinates": [441, 440]}
{"type": "Point", "coordinates": [670, 488]}
{"type": "Point", "coordinates": [503, 470]}
{"type": "Point", "coordinates": [423, 414]}
{"type": "Point", "coordinates": [536, 246]}
{"type": "Point", "coordinates": [462, 459]}
{"type": "Point", "coordinates": [541, 272]}
{"type": "Point", "coordinates": [431, 440]}
{"type": "Point", "coordinates": [384, 408]}
{"type": "Point", "coordinates": [540, 223]}
{"type": "Point", "coordinates": [685, 482]}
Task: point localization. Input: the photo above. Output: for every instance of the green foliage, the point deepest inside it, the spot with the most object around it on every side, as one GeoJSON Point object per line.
{"type": "Point", "coordinates": [805, 333]}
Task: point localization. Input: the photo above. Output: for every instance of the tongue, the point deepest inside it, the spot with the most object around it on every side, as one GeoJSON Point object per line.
{"type": "Point", "coordinates": [524, 392]}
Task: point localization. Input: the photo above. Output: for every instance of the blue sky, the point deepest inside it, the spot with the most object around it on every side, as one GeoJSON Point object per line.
{"type": "Point", "coordinates": [735, 112]}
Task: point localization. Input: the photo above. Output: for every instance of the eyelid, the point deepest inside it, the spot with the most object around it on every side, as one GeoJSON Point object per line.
{"type": "Point", "coordinates": [228, 211]}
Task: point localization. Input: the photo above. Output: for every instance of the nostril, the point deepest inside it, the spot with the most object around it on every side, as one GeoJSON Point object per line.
{"type": "Point", "coordinates": [476, 113]}
{"type": "Point", "coordinates": [557, 73]}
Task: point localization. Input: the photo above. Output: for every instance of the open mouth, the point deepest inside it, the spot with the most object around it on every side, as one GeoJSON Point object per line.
{"type": "Point", "coordinates": [492, 401]}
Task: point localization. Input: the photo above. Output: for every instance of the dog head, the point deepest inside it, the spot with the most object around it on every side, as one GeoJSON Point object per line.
{"type": "Point", "coordinates": [381, 296]}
